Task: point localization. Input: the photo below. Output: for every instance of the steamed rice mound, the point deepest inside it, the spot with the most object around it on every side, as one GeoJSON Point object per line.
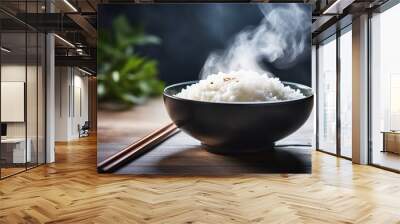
{"type": "Point", "coordinates": [239, 86]}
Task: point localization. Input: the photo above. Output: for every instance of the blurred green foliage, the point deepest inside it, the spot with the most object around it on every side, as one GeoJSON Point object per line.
{"type": "Point", "coordinates": [125, 78]}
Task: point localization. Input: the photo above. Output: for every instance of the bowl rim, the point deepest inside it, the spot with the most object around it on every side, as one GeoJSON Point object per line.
{"type": "Point", "coordinates": [237, 103]}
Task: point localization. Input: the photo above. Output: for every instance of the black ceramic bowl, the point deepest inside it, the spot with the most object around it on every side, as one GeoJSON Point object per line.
{"type": "Point", "coordinates": [226, 127]}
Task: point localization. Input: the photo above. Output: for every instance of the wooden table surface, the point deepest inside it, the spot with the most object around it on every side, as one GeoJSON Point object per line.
{"type": "Point", "coordinates": [183, 155]}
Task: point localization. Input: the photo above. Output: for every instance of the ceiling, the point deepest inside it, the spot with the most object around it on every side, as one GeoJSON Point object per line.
{"type": "Point", "coordinates": [76, 20]}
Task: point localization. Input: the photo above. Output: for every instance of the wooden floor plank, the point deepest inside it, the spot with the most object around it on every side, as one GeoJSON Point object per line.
{"type": "Point", "coordinates": [71, 191]}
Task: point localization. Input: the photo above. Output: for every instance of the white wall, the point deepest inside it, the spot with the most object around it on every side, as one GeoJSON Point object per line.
{"type": "Point", "coordinates": [80, 104]}
{"type": "Point", "coordinates": [71, 102]}
{"type": "Point", "coordinates": [62, 81]}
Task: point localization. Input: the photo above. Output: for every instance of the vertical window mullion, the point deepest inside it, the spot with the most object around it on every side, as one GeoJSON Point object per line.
{"type": "Point", "coordinates": [26, 86]}
{"type": "Point", "coordinates": [0, 91]}
{"type": "Point", "coordinates": [37, 90]}
{"type": "Point", "coordinates": [338, 80]}
{"type": "Point", "coordinates": [369, 74]}
{"type": "Point", "coordinates": [317, 96]}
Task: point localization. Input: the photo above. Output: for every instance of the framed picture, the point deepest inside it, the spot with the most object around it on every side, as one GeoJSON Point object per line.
{"type": "Point", "coordinates": [254, 60]}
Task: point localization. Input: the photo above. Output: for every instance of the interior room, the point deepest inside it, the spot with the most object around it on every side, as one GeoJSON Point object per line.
{"type": "Point", "coordinates": [51, 83]}
{"type": "Point", "coordinates": [22, 102]}
{"type": "Point", "coordinates": [24, 66]}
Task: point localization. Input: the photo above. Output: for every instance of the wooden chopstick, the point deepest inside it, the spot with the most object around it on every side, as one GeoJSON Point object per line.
{"type": "Point", "coordinates": [138, 148]}
{"type": "Point", "coordinates": [133, 145]}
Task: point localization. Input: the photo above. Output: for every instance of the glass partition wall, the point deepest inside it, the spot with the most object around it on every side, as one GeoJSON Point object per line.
{"type": "Point", "coordinates": [22, 77]}
{"type": "Point", "coordinates": [13, 145]}
{"type": "Point", "coordinates": [334, 84]}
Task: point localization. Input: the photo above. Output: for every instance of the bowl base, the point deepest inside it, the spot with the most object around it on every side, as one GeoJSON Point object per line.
{"type": "Point", "coordinates": [232, 150]}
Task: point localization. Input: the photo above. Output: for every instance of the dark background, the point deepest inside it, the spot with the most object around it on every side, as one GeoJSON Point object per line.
{"type": "Point", "coordinates": [190, 32]}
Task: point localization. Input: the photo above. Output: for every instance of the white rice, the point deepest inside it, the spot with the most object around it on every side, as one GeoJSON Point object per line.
{"type": "Point", "coordinates": [239, 86]}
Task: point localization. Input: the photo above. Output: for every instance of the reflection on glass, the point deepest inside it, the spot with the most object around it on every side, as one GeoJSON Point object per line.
{"type": "Point", "coordinates": [327, 96]}
{"type": "Point", "coordinates": [385, 114]}
{"type": "Point", "coordinates": [346, 94]}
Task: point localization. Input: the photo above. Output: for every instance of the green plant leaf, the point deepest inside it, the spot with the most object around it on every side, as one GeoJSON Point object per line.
{"type": "Point", "coordinates": [125, 77]}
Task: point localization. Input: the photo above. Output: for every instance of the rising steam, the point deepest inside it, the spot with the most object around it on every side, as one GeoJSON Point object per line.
{"type": "Point", "coordinates": [279, 39]}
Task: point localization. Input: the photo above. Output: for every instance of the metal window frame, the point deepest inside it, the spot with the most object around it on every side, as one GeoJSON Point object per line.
{"type": "Point", "coordinates": [0, 92]}
{"type": "Point", "coordinates": [339, 32]}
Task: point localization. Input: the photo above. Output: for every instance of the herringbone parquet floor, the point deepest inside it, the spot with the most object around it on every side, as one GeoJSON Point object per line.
{"type": "Point", "coordinates": [70, 191]}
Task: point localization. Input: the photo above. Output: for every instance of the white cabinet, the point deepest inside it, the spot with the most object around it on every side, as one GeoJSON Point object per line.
{"type": "Point", "coordinates": [19, 155]}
